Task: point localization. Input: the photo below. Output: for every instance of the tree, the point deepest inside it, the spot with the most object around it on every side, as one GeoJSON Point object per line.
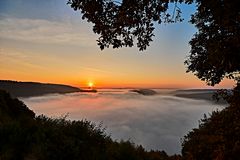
{"type": "Point", "coordinates": [215, 48]}
{"type": "Point", "coordinates": [217, 136]}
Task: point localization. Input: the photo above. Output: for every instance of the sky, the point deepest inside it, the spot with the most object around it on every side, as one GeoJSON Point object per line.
{"type": "Point", "coordinates": [46, 41]}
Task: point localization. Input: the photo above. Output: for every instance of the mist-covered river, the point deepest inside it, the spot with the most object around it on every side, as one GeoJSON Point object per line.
{"type": "Point", "coordinates": [156, 122]}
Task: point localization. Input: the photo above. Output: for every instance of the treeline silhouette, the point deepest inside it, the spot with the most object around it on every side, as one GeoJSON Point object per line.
{"type": "Point", "coordinates": [27, 89]}
{"type": "Point", "coordinates": [23, 135]}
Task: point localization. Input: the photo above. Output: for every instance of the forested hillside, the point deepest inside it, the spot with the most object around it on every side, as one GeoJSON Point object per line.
{"type": "Point", "coordinates": [27, 89]}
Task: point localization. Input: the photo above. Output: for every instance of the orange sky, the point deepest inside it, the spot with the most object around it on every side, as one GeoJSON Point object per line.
{"type": "Point", "coordinates": [48, 42]}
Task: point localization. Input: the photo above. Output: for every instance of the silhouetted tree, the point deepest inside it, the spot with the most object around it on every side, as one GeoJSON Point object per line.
{"type": "Point", "coordinates": [215, 48]}
{"type": "Point", "coordinates": [120, 22]}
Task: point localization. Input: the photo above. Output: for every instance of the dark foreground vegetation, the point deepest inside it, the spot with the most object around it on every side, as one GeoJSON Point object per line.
{"type": "Point", "coordinates": [26, 136]}
{"type": "Point", "coordinates": [28, 89]}
{"type": "Point", "coordinates": [218, 137]}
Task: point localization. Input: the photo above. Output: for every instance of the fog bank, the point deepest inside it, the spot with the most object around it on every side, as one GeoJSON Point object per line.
{"type": "Point", "coordinates": [156, 122]}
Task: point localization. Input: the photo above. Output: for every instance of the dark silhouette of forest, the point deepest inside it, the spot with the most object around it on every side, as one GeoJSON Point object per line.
{"type": "Point", "coordinates": [28, 89]}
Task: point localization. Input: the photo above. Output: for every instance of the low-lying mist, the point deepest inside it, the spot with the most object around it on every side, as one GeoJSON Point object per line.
{"type": "Point", "coordinates": [157, 122]}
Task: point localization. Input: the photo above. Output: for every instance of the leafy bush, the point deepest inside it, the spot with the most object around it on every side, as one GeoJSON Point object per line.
{"type": "Point", "coordinates": [218, 137]}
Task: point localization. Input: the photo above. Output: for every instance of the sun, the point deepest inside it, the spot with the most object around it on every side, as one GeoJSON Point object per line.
{"type": "Point", "coordinates": [90, 84]}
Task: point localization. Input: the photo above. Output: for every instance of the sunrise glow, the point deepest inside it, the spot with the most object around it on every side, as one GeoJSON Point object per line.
{"type": "Point", "coordinates": [90, 84]}
{"type": "Point", "coordinates": [37, 50]}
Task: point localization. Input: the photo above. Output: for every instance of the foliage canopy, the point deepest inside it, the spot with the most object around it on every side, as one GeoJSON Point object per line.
{"type": "Point", "coordinates": [120, 22]}
{"type": "Point", "coordinates": [215, 48]}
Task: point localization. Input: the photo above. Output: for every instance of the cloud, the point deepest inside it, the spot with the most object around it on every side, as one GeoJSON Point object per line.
{"type": "Point", "coordinates": [46, 32]}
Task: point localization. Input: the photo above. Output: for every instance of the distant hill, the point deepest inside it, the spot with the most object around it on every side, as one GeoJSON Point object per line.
{"type": "Point", "coordinates": [204, 94]}
{"type": "Point", "coordinates": [145, 92]}
{"type": "Point", "coordinates": [28, 89]}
